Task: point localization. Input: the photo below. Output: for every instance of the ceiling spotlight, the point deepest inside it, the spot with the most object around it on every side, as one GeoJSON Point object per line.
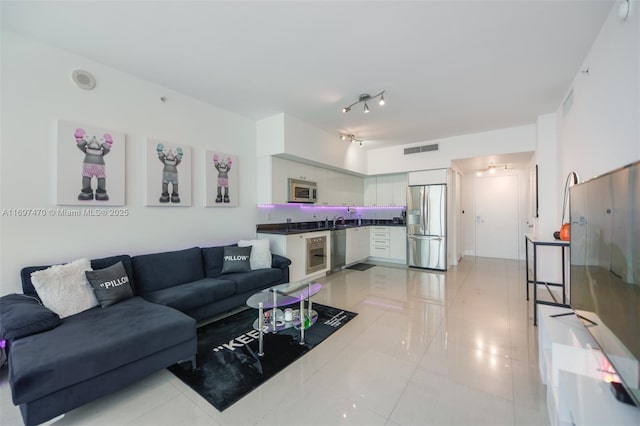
{"type": "Point", "coordinates": [363, 99]}
{"type": "Point", "coordinates": [352, 138]}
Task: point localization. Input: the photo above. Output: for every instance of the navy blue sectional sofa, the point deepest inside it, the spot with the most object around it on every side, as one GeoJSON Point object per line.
{"type": "Point", "coordinates": [100, 350]}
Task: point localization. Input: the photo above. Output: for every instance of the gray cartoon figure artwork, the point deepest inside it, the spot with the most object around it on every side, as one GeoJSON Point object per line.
{"type": "Point", "coordinates": [171, 160]}
{"type": "Point", "coordinates": [223, 166]}
{"type": "Point", "coordinates": [94, 148]}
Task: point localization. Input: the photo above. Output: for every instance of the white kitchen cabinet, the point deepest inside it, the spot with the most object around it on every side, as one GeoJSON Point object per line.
{"type": "Point", "coordinates": [388, 190]}
{"type": "Point", "coordinates": [357, 244]}
{"type": "Point", "coordinates": [302, 171]}
{"type": "Point", "coordinates": [389, 243]}
{"type": "Point", "coordinates": [399, 190]}
{"type": "Point", "coordinates": [384, 190]}
{"type": "Point", "coordinates": [398, 243]}
{"type": "Point", "coordinates": [279, 181]}
{"type": "Point", "coordinates": [379, 242]}
{"type": "Point", "coordinates": [353, 190]}
{"type": "Point", "coordinates": [370, 188]}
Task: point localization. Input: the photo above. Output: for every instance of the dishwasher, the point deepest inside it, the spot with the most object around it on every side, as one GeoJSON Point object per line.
{"type": "Point", "coordinates": [338, 249]}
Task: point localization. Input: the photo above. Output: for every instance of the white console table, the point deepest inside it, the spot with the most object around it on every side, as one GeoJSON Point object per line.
{"type": "Point", "coordinates": [570, 365]}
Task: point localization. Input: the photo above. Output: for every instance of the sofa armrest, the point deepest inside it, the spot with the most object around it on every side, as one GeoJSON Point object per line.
{"type": "Point", "coordinates": [279, 262]}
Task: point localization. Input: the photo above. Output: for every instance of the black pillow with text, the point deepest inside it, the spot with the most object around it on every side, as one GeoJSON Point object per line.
{"type": "Point", "coordinates": [236, 259]}
{"type": "Point", "coordinates": [111, 284]}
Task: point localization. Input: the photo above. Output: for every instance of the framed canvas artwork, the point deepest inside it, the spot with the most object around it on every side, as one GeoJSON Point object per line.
{"type": "Point", "coordinates": [168, 174]}
{"type": "Point", "coordinates": [90, 165]}
{"type": "Point", "coordinates": [222, 179]}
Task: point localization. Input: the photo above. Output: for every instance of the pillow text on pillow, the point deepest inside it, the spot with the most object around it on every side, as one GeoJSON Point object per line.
{"type": "Point", "coordinates": [260, 253]}
{"type": "Point", "coordinates": [236, 259]}
{"type": "Point", "coordinates": [110, 284]}
{"type": "Point", "coordinates": [64, 288]}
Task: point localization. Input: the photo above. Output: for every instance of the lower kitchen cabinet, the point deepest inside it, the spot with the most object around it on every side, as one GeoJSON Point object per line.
{"type": "Point", "coordinates": [398, 243]}
{"type": "Point", "coordinates": [389, 243]}
{"type": "Point", "coordinates": [357, 244]}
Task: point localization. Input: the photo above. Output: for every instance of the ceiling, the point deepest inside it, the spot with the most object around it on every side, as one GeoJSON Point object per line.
{"type": "Point", "coordinates": [448, 68]}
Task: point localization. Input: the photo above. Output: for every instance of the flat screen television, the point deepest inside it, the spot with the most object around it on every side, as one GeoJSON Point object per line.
{"type": "Point", "coordinates": [605, 268]}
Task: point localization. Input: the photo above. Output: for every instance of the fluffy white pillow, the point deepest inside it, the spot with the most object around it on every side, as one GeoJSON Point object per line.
{"type": "Point", "coordinates": [64, 288]}
{"type": "Point", "coordinates": [260, 253]}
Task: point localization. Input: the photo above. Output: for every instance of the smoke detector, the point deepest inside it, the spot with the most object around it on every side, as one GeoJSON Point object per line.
{"type": "Point", "coordinates": [83, 79]}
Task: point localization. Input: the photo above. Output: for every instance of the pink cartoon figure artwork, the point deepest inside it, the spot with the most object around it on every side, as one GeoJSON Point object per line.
{"type": "Point", "coordinates": [171, 160]}
{"type": "Point", "coordinates": [223, 166]}
{"type": "Point", "coordinates": [95, 148]}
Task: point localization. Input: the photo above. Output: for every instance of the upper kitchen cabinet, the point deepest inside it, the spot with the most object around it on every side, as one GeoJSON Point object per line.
{"type": "Point", "coordinates": [342, 189]}
{"type": "Point", "coordinates": [385, 190]}
{"type": "Point", "coordinates": [334, 188]}
{"type": "Point", "coordinates": [400, 184]}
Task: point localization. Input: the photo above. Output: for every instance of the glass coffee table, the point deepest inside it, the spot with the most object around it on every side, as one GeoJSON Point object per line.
{"type": "Point", "coordinates": [278, 296]}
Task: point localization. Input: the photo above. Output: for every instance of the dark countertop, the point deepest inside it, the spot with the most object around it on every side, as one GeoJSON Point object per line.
{"type": "Point", "coordinates": [302, 227]}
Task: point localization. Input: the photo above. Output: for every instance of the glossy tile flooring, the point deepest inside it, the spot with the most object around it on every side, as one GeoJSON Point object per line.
{"type": "Point", "coordinates": [427, 348]}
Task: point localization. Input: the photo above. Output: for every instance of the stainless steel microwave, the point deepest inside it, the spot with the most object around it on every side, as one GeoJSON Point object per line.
{"type": "Point", "coordinates": [302, 191]}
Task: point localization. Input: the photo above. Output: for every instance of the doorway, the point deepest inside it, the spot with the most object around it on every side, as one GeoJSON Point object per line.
{"type": "Point", "coordinates": [496, 216]}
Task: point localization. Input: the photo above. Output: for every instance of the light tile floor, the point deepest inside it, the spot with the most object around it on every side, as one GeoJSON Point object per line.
{"type": "Point", "coordinates": [427, 348]}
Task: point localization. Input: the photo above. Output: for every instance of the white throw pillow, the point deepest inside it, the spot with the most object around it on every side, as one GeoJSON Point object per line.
{"type": "Point", "coordinates": [64, 288]}
{"type": "Point", "coordinates": [260, 253]}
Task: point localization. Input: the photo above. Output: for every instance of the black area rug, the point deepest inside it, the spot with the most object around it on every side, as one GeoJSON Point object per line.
{"type": "Point", "coordinates": [228, 365]}
{"type": "Point", "coordinates": [361, 266]}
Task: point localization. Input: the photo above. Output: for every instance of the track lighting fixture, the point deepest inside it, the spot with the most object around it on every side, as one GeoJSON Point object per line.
{"type": "Point", "coordinates": [351, 138]}
{"type": "Point", "coordinates": [364, 99]}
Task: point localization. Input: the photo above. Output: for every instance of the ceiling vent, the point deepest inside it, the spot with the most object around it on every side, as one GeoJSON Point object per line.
{"type": "Point", "coordinates": [423, 148]}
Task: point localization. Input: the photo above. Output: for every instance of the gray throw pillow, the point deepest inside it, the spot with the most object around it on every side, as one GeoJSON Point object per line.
{"type": "Point", "coordinates": [236, 259]}
{"type": "Point", "coordinates": [22, 316]}
{"type": "Point", "coordinates": [111, 284]}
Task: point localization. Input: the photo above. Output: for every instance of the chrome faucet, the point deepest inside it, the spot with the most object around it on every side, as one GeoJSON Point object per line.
{"type": "Point", "coordinates": [337, 218]}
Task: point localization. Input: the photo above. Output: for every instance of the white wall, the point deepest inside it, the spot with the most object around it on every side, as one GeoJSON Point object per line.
{"type": "Point", "coordinates": [502, 141]}
{"type": "Point", "coordinates": [292, 138]}
{"type": "Point", "coordinates": [601, 131]}
{"type": "Point", "coordinates": [36, 91]}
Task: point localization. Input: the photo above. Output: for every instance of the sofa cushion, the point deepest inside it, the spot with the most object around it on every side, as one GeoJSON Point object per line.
{"type": "Point", "coordinates": [27, 285]}
{"type": "Point", "coordinates": [22, 315]}
{"type": "Point", "coordinates": [236, 259]}
{"type": "Point", "coordinates": [212, 257]}
{"type": "Point", "coordinates": [254, 280]}
{"type": "Point", "coordinates": [110, 284]}
{"type": "Point", "coordinates": [153, 272]}
{"type": "Point", "coordinates": [64, 288]}
{"type": "Point", "coordinates": [91, 343]}
{"type": "Point", "coordinates": [192, 295]}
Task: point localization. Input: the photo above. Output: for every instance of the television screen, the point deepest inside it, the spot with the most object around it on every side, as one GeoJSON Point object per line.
{"type": "Point", "coordinates": [605, 267]}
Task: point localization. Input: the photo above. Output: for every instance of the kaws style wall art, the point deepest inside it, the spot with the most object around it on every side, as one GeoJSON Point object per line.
{"type": "Point", "coordinates": [222, 179]}
{"type": "Point", "coordinates": [90, 165]}
{"type": "Point", "coordinates": [168, 174]}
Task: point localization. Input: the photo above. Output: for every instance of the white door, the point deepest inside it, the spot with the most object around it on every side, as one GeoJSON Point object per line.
{"type": "Point", "coordinates": [496, 216]}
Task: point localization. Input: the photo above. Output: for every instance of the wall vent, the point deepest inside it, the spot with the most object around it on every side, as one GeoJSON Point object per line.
{"type": "Point", "coordinates": [423, 148]}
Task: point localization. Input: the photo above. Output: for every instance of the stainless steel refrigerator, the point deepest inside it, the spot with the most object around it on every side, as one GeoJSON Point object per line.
{"type": "Point", "coordinates": [427, 226]}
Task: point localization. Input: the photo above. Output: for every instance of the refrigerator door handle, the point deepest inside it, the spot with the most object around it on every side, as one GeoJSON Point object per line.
{"type": "Point", "coordinates": [420, 237]}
